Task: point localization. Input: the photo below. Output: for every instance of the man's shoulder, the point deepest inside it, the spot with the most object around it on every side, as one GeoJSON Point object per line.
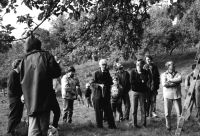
{"type": "Point", "coordinates": [164, 73]}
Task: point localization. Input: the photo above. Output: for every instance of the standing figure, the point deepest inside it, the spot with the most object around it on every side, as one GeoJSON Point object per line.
{"type": "Point", "coordinates": [102, 82]}
{"type": "Point", "coordinates": [88, 93]}
{"type": "Point", "coordinates": [14, 95]}
{"type": "Point", "coordinates": [154, 86]}
{"type": "Point", "coordinates": [69, 87]}
{"type": "Point", "coordinates": [38, 68]}
{"type": "Point", "coordinates": [171, 82]}
{"type": "Point", "coordinates": [55, 106]}
{"type": "Point", "coordinates": [139, 82]}
{"type": "Point", "coordinates": [124, 81]}
{"type": "Point", "coordinates": [116, 98]}
{"type": "Point", "coordinates": [196, 95]}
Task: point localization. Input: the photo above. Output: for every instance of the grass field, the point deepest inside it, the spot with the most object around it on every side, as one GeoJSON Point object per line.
{"type": "Point", "coordinates": [84, 120]}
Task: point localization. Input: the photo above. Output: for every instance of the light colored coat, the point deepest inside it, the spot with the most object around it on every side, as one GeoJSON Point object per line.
{"type": "Point", "coordinates": [171, 90]}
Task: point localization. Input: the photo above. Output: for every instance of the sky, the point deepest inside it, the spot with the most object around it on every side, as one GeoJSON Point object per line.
{"type": "Point", "coordinates": [11, 18]}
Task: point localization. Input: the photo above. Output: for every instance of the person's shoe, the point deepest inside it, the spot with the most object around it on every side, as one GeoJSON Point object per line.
{"type": "Point", "coordinates": [154, 115]}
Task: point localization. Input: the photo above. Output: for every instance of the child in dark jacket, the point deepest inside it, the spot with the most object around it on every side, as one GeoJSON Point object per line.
{"type": "Point", "coordinates": [116, 98]}
{"type": "Point", "coordinates": [88, 93]}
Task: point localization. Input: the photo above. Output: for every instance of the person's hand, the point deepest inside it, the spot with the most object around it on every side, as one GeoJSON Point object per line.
{"type": "Point", "coordinates": [22, 98]}
{"type": "Point", "coordinates": [101, 85]}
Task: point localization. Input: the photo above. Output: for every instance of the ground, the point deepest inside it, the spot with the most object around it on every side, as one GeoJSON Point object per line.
{"type": "Point", "coordinates": [84, 120]}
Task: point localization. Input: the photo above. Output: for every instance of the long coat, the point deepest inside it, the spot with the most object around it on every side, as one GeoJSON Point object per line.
{"type": "Point", "coordinates": [102, 78]}
{"type": "Point", "coordinates": [37, 70]}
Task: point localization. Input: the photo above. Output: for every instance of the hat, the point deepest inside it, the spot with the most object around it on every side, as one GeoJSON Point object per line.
{"type": "Point", "coordinates": [102, 62]}
{"type": "Point", "coordinates": [32, 43]}
{"type": "Point", "coordinates": [70, 69]}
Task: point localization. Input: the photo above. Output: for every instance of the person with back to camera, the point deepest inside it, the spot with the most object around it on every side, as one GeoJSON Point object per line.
{"type": "Point", "coordinates": [37, 70]}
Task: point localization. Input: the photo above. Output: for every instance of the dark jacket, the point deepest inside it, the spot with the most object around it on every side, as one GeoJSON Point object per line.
{"type": "Point", "coordinates": [102, 78]}
{"type": "Point", "coordinates": [14, 86]}
{"type": "Point", "coordinates": [154, 75]}
{"type": "Point", "coordinates": [88, 92]}
{"type": "Point", "coordinates": [116, 93]}
{"type": "Point", "coordinates": [140, 82]}
{"type": "Point", "coordinates": [124, 80]}
{"type": "Point", "coordinates": [38, 68]}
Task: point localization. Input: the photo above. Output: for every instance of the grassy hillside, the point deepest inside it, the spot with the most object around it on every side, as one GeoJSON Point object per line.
{"type": "Point", "coordinates": [84, 120]}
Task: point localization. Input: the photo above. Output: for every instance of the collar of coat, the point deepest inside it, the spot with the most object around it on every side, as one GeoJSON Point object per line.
{"type": "Point", "coordinates": [33, 51]}
{"type": "Point", "coordinates": [173, 73]}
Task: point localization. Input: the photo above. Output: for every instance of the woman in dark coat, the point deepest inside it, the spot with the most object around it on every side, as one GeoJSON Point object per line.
{"type": "Point", "coordinates": [14, 95]}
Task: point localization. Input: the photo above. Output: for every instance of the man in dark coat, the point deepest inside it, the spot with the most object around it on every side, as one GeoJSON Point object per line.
{"type": "Point", "coordinates": [38, 68]}
{"type": "Point", "coordinates": [153, 86]}
{"type": "Point", "coordinates": [101, 95]}
{"type": "Point", "coordinates": [124, 81]}
{"type": "Point", "coordinates": [14, 95]}
{"type": "Point", "coordinates": [139, 85]}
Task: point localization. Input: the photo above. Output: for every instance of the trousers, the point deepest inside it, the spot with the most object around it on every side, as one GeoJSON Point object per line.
{"type": "Point", "coordinates": [38, 125]}
{"type": "Point", "coordinates": [168, 103]}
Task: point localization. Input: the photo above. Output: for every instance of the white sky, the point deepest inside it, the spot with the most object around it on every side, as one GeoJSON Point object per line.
{"type": "Point", "coordinates": [11, 18]}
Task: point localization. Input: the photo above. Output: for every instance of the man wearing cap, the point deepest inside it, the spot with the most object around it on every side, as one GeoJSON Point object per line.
{"type": "Point", "coordinates": [171, 82]}
{"type": "Point", "coordinates": [37, 70]}
{"type": "Point", "coordinates": [70, 91]}
{"type": "Point", "coordinates": [154, 86]}
{"type": "Point", "coordinates": [101, 95]}
{"type": "Point", "coordinates": [14, 95]}
{"type": "Point", "coordinates": [124, 81]}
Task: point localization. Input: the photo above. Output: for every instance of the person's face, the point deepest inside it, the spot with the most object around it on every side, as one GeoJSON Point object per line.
{"type": "Point", "coordinates": [171, 67]}
{"type": "Point", "coordinates": [103, 67]}
{"type": "Point", "coordinates": [71, 74]}
{"type": "Point", "coordinates": [115, 81]}
{"type": "Point", "coordinates": [138, 66]}
{"type": "Point", "coordinates": [148, 60]}
{"type": "Point", "coordinates": [120, 69]}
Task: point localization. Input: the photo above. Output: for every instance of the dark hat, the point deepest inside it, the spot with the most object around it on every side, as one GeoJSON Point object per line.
{"type": "Point", "coordinates": [70, 69]}
{"type": "Point", "coordinates": [32, 43]}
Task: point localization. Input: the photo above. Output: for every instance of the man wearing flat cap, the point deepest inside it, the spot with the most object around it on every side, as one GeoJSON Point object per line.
{"type": "Point", "coordinates": [171, 82]}
{"type": "Point", "coordinates": [124, 81]}
{"type": "Point", "coordinates": [37, 70]}
{"type": "Point", "coordinates": [101, 95]}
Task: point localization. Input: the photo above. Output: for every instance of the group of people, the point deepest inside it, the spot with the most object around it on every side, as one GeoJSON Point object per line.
{"type": "Point", "coordinates": [31, 82]}
{"type": "Point", "coordinates": [110, 91]}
